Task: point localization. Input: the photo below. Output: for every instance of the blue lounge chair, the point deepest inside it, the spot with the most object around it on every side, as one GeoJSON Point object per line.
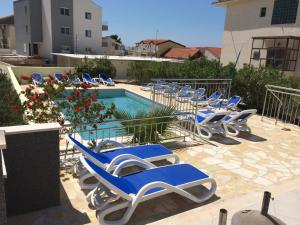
{"type": "Point", "coordinates": [150, 183]}
{"type": "Point", "coordinates": [199, 93]}
{"type": "Point", "coordinates": [206, 101]}
{"type": "Point", "coordinates": [209, 122]}
{"type": "Point", "coordinates": [106, 80]}
{"type": "Point", "coordinates": [171, 90]}
{"type": "Point", "coordinates": [110, 159]}
{"type": "Point", "coordinates": [87, 79]}
{"type": "Point", "coordinates": [75, 81]}
{"type": "Point", "coordinates": [237, 121]}
{"type": "Point", "coordinates": [37, 78]}
{"type": "Point", "coordinates": [59, 77]}
{"type": "Point", "coordinates": [184, 94]}
{"type": "Point", "coordinates": [232, 103]}
{"type": "Point", "coordinates": [147, 87]}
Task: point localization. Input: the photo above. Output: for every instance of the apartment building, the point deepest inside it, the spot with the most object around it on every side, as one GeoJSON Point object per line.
{"type": "Point", "coordinates": [57, 26]}
{"type": "Point", "coordinates": [111, 46]}
{"type": "Point", "coordinates": [155, 47]}
{"type": "Point", "coordinates": [262, 33]}
{"type": "Point", "coordinates": [7, 33]}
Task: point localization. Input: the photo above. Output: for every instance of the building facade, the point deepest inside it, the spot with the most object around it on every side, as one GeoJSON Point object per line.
{"type": "Point", "coordinates": [262, 33]}
{"type": "Point", "coordinates": [7, 33]}
{"type": "Point", "coordinates": [110, 46]}
{"type": "Point", "coordinates": [155, 48]}
{"type": "Point", "coordinates": [57, 26]}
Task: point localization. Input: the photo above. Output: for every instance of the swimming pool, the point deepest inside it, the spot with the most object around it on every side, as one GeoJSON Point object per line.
{"type": "Point", "coordinates": [124, 100]}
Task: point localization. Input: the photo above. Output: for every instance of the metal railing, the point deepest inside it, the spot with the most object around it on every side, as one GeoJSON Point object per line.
{"type": "Point", "coordinates": [282, 104]}
{"type": "Point", "coordinates": [129, 132]}
{"type": "Point", "coordinates": [210, 86]}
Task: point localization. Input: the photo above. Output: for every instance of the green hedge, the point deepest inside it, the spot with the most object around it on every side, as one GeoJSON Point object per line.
{"type": "Point", "coordinates": [97, 66]}
{"type": "Point", "coordinates": [248, 82]}
{"type": "Point", "coordinates": [10, 110]}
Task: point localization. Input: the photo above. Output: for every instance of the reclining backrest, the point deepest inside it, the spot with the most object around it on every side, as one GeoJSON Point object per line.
{"type": "Point", "coordinates": [37, 76]}
{"type": "Point", "coordinates": [216, 95]}
{"type": "Point", "coordinates": [234, 100]}
{"type": "Point", "coordinates": [86, 151]}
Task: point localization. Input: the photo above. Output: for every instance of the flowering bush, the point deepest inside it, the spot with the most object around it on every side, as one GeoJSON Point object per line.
{"type": "Point", "coordinates": [80, 106]}
{"type": "Point", "coordinates": [10, 105]}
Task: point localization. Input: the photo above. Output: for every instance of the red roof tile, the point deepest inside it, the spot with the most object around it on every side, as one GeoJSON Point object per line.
{"type": "Point", "coordinates": [183, 53]}
{"type": "Point", "coordinates": [158, 42]}
{"type": "Point", "coordinates": [213, 50]}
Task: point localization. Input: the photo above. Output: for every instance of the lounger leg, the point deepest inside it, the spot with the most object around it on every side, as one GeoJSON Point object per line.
{"type": "Point", "coordinates": [83, 184]}
{"type": "Point", "coordinates": [200, 132]}
{"type": "Point", "coordinates": [228, 127]}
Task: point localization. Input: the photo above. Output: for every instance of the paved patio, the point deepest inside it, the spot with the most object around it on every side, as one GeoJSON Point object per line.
{"type": "Point", "coordinates": [244, 167]}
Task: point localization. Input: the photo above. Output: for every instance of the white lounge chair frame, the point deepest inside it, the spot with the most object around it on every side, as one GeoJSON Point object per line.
{"type": "Point", "coordinates": [211, 128]}
{"type": "Point", "coordinates": [109, 205]}
{"type": "Point", "coordinates": [84, 175]}
{"type": "Point", "coordinates": [233, 127]}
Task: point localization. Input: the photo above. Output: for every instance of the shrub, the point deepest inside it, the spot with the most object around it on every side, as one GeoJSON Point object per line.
{"type": "Point", "coordinates": [143, 72]}
{"type": "Point", "coordinates": [147, 127]}
{"type": "Point", "coordinates": [97, 66]}
{"type": "Point", "coordinates": [10, 106]}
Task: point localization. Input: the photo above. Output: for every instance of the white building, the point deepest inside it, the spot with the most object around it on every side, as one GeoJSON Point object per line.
{"type": "Point", "coordinates": [61, 26]}
{"type": "Point", "coordinates": [262, 33]}
{"type": "Point", "coordinates": [111, 46]}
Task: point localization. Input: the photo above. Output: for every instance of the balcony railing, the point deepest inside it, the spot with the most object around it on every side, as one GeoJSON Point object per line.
{"type": "Point", "coordinates": [282, 104]}
{"type": "Point", "coordinates": [128, 132]}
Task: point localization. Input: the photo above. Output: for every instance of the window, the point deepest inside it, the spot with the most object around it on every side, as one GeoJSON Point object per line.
{"type": "Point", "coordinates": [65, 11]}
{"type": "Point", "coordinates": [277, 52]}
{"type": "Point", "coordinates": [263, 12]}
{"type": "Point", "coordinates": [88, 15]}
{"type": "Point", "coordinates": [88, 49]}
{"type": "Point", "coordinates": [88, 33]}
{"type": "Point", "coordinates": [285, 11]}
{"type": "Point", "coordinates": [26, 28]}
{"type": "Point", "coordinates": [65, 30]}
{"type": "Point", "coordinates": [104, 44]}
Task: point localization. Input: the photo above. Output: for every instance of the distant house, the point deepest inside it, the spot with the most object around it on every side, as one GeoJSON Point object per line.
{"type": "Point", "coordinates": [211, 53]}
{"type": "Point", "coordinates": [262, 33]}
{"type": "Point", "coordinates": [7, 33]}
{"type": "Point", "coordinates": [111, 46]}
{"type": "Point", "coordinates": [183, 53]}
{"type": "Point", "coordinates": [155, 47]}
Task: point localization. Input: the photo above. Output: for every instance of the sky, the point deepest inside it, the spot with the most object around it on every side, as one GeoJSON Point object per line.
{"type": "Point", "coordinates": [194, 23]}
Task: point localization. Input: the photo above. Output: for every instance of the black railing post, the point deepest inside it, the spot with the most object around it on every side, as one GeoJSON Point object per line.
{"type": "Point", "coordinates": [223, 217]}
{"type": "Point", "coordinates": [266, 203]}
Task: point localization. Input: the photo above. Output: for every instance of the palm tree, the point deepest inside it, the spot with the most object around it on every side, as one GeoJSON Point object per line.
{"type": "Point", "coordinates": [146, 127]}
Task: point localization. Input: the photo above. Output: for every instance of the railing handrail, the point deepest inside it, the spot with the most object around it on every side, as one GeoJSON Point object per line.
{"type": "Point", "coordinates": [118, 120]}
{"type": "Point", "coordinates": [281, 88]}
{"type": "Point", "coordinates": [173, 79]}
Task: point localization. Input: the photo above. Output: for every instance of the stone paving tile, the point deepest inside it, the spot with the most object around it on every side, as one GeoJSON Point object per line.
{"type": "Point", "coordinates": [243, 165]}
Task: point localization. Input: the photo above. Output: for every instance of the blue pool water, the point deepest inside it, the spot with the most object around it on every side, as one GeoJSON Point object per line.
{"type": "Point", "coordinates": [124, 100]}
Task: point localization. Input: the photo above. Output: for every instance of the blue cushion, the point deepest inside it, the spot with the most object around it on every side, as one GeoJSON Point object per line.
{"type": "Point", "coordinates": [131, 184]}
{"type": "Point", "coordinates": [174, 175]}
{"type": "Point", "coordinates": [143, 151]}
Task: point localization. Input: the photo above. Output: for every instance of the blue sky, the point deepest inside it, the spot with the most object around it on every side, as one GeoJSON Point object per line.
{"type": "Point", "coordinates": [190, 22]}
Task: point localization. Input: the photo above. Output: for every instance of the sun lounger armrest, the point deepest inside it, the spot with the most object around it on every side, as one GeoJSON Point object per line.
{"type": "Point", "coordinates": [102, 143]}
{"type": "Point", "coordinates": [133, 162]}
